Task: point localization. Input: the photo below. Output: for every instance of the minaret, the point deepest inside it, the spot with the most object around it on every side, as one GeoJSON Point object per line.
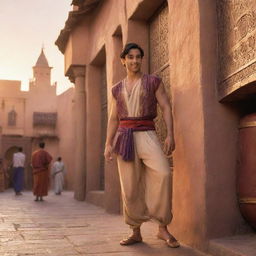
{"type": "Point", "coordinates": [42, 71]}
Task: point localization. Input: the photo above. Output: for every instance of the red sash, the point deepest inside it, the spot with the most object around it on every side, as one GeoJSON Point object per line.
{"type": "Point", "coordinates": [124, 145]}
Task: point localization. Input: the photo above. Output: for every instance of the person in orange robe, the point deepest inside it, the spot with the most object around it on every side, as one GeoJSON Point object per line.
{"type": "Point", "coordinates": [41, 160]}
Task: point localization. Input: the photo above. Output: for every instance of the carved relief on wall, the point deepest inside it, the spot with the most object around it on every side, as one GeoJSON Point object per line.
{"type": "Point", "coordinates": [159, 58]}
{"type": "Point", "coordinates": [236, 44]}
{"type": "Point", "coordinates": [104, 121]}
{"type": "Point", "coordinates": [44, 119]}
{"type": "Point", "coordinates": [158, 40]}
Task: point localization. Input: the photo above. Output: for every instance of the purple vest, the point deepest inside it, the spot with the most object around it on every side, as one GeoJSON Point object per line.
{"type": "Point", "coordinates": [123, 143]}
{"type": "Point", "coordinates": [148, 101]}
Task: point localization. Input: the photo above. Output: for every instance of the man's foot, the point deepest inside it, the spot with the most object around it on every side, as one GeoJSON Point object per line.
{"type": "Point", "coordinates": [36, 200]}
{"type": "Point", "coordinates": [132, 239]}
{"type": "Point", "coordinates": [18, 193]}
{"type": "Point", "coordinates": [170, 240]}
{"type": "Point", "coordinates": [41, 199]}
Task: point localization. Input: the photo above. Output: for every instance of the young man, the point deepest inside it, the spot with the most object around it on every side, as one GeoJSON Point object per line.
{"type": "Point", "coordinates": [58, 171]}
{"type": "Point", "coordinates": [41, 160]}
{"type": "Point", "coordinates": [18, 162]}
{"type": "Point", "coordinates": [143, 168]}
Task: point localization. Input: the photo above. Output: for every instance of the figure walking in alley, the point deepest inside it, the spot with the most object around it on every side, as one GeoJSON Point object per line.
{"type": "Point", "coordinates": [143, 167]}
{"type": "Point", "coordinates": [41, 160]}
{"type": "Point", "coordinates": [58, 171]}
{"type": "Point", "coordinates": [18, 162]}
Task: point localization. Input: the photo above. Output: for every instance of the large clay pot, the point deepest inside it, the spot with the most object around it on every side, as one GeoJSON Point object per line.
{"type": "Point", "coordinates": [247, 168]}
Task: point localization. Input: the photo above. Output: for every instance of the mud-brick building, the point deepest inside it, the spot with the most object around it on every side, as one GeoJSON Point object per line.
{"type": "Point", "coordinates": [205, 52]}
{"type": "Point", "coordinates": [29, 117]}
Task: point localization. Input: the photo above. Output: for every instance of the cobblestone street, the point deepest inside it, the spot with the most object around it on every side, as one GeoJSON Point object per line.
{"type": "Point", "coordinates": [62, 226]}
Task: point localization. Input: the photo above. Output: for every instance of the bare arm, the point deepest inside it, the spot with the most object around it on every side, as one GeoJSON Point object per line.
{"type": "Point", "coordinates": [113, 123]}
{"type": "Point", "coordinates": [164, 104]}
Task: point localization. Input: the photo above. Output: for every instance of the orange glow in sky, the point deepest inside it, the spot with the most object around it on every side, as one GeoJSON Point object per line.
{"type": "Point", "coordinates": [26, 26]}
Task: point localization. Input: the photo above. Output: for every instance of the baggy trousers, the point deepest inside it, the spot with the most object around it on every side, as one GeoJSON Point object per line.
{"type": "Point", "coordinates": [18, 178]}
{"type": "Point", "coordinates": [146, 182]}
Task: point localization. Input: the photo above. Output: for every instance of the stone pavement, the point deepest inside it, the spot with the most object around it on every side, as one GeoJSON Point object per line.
{"type": "Point", "coordinates": [241, 245]}
{"type": "Point", "coordinates": [62, 226]}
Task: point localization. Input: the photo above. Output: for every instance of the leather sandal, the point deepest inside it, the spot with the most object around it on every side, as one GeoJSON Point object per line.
{"type": "Point", "coordinates": [130, 241]}
{"type": "Point", "coordinates": [171, 242]}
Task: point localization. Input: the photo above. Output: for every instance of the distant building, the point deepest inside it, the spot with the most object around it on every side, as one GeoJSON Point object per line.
{"type": "Point", "coordinates": [28, 117]}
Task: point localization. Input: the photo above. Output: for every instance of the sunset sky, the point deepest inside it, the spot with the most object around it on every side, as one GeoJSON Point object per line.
{"type": "Point", "coordinates": [26, 25]}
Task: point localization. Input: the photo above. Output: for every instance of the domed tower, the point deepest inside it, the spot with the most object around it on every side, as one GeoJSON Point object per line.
{"type": "Point", "coordinates": [42, 71]}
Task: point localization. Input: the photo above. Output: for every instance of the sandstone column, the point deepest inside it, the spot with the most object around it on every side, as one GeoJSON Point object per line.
{"type": "Point", "coordinates": [80, 171]}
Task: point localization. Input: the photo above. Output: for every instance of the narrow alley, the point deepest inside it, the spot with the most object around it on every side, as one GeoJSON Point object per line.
{"type": "Point", "coordinates": [62, 226]}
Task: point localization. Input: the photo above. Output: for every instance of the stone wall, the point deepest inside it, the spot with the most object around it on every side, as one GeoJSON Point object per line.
{"type": "Point", "coordinates": [237, 48]}
{"type": "Point", "coordinates": [205, 131]}
{"type": "Point", "coordinates": [65, 106]}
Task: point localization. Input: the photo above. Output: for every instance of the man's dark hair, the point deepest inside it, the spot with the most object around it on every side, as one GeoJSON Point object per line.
{"type": "Point", "coordinates": [20, 149]}
{"type": "Point", "coordinates": [41, 145]}
{"type": "Point", "coordinates": [59, 158]}
{"type": "Point", "coordinates": [130, 46]}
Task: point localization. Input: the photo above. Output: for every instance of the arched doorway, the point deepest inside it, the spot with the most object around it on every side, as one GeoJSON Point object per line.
{"type": "Point", "coordinates": [8, 165]}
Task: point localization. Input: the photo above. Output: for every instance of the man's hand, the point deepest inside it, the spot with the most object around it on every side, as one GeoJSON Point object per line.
{"type": "Point", "coordinates": [169, 145]}
{"type": "Point", "coordinates": [108, 153]}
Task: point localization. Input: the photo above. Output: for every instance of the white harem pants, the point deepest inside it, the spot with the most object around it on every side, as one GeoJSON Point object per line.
{"type": "Point", "coordinates": [146, 182]}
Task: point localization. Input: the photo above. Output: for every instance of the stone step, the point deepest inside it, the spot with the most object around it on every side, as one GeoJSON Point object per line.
{"type": "Point", "coordinates": [242, 245]}
{"type": "Point", "coordinates": [96, 197]}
